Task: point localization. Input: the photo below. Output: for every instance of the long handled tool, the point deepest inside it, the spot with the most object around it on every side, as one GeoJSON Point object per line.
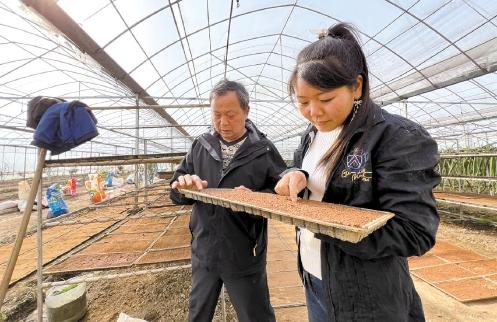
{"type": "Point", "coordinates": [24, 225]}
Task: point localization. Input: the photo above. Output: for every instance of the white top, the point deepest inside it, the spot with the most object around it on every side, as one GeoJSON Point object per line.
{"type": "Point", "coordinates": [310, 246]}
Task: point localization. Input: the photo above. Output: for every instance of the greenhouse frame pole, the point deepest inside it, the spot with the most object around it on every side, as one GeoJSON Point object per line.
{"type": "Point", "coordinates": [3, 160]}
{"type": "Point", "coordinates": [145, 172]}
{"type": "Point", "coordinates": [25, 156]}
{"type": "Point", "coordinates": [14, 163]}
{"type": "Point", "coordinates": [39, 242]}
{"type": "Point", "coordinates": [137, 144]}
{"type": "Point", "coordinates": [24, 225]}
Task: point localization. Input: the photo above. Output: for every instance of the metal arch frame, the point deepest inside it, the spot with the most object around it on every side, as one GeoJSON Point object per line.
{"type": "Point", "coordinates": [67, 73]}
{"type": "Point", "coordinates": [193, 76]}
{"type": "Point", "coordinates": [408, 29]}
{"type": "Point", "coordinates": [45, 38]}
{"type": "Point", "coordinates": [250, 12]}
{"type": "Point", "coordinates": [382, 45]}
{"type": "Point", "coordinates": [454, 80]}
{"type": "Point", "coordinates": [139, 22]}
{"type": "Point", "coordinates": [208, 53]}
{"type": "Point", "coordinates": [451, 43]}
{"type": "Point", "coordinates": [47, 60]}
{"type": "Point", "coordinates": [244, 13]}
{"type": "Point", "coordinates": [227, 40]}
{"type": "Point", "coordinates": [200, 30]}
{"type": "Point", "coordinates": [437, 32]}
{"type": "Point", "coordinates": [192, 60]}
{"type": "Point", "coordinates": [210, 69]}
{"type": "Point", "coordinates": [249, 78]}
{"type": "Point", "coordinates": [288, 5]}
{"type": "Point", "coordinates": [32, 131]}
{"type": "Point", "coordinates": [491, 115]}
{"type": "Point", "coordinates": [275, 44]}
{"type": "Point", "coordinates": [475, 133]}
{"type": "Point", "coordinates": [141, 47]}
{"type": "Point", "coordinates": [234, 69]}
{"type": "Point", "coordinates": [128, 118]}
{"type": "Point", "coordinates": [286, 103]}
{"type": "Point", "coordinates": [56, 16]}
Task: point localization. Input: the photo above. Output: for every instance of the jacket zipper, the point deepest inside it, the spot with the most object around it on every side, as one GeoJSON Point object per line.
{"type": "Point", "coordinates": [254, 249]}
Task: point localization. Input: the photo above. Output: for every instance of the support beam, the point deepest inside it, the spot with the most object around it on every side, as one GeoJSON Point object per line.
{"type": "Point", "coordinates": [122, 97]}
{"type": "Point", "coordinates": [118, 160]}
{"type": "Point", "coordinates": [467, 155]}
{"type": "Point", "coordinates": [389, 92]}
{"type": "Point", "coordinates": [481, 115]}
{"type": "Point", "coordinates": [145, 107]}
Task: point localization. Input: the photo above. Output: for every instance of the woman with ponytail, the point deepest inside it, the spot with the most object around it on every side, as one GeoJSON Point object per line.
{"type": "Point", "coordinates": [354, 153]}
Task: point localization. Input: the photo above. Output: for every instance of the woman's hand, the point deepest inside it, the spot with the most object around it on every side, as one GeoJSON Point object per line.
{"type": "Point", "coordinates": [291, 184]}
{"type": "Point", "coordinates": [188, 182]}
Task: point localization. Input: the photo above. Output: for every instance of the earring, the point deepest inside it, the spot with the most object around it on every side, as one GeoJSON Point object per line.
{"type": "Point", "coordinates": [355, 106]}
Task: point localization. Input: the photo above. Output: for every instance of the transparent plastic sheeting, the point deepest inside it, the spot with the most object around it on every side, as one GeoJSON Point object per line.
{"type": "Point", "coordinates": [432, 61]}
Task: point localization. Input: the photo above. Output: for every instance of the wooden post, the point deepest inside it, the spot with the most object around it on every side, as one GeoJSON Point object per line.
{"type": "Point", "coordinates": [24, 225]}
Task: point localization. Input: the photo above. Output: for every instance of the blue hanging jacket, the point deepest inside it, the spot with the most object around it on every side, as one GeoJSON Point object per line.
{"type": "Point", "coordinates": [64, 126]}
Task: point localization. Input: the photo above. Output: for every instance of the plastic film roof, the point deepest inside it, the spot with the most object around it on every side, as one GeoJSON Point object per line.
{"type": "Point", "coordinates": [432, 61]}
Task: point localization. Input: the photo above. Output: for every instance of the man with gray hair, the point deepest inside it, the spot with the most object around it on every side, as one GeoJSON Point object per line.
{"type": "Point", "coordinates": [229, 247]}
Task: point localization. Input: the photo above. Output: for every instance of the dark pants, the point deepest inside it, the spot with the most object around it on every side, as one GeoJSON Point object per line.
{"type": "Point", "coordinates": [315, 298]}
{"type": "Point", "coordinates": [249, 295]}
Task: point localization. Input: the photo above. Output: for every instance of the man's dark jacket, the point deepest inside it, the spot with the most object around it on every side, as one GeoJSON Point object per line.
{"type": "Point", "coordinates": [224, 240]}
{"type": "Point", "coordinates": [391, 169]}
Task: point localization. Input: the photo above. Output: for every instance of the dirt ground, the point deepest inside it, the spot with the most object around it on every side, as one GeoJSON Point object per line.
{"type": "Point", "coordinates": [164, 296]}
{"type": "Point", "coordinates": [437, 305]}
{"type": "Point", "coordinates": [9, 223]}
{"type": "Point", "coordinates": [154, 304]}
{"type": "Point", "coordinates": [153, 297]}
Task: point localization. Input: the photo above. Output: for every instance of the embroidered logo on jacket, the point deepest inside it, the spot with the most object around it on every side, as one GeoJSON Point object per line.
{"type": "Point", "coordinates": [356, 166]}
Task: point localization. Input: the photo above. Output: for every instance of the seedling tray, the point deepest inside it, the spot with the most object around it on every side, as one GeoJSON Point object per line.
{"type": "Point", "coordinates": [342, 222]}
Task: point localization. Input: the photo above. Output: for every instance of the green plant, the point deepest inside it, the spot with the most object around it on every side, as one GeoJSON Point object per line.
{"type": "Point", "coordinates": [65, 289]}
{"type": "Point", "coordinates": [469, 166]}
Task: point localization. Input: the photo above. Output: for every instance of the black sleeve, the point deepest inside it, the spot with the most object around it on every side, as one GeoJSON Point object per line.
{"type": "Point", "coordinates": [185, 167]}
{"type": "Point", "coordinates": [276, 166]}
{"type": "Point", "coordinates": [403, 180]}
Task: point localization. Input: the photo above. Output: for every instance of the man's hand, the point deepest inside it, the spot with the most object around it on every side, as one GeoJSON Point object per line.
{"type": "Point", "coordinates": [291, 184]}
{"type": "Point", "coordinates": [188, 182]}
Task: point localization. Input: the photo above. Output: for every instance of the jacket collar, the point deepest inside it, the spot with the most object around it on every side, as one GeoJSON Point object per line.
{"type": "Point", "coordinates": [210, 139]}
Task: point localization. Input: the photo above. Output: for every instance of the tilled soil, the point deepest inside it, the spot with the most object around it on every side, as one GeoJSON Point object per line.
{"type": "Point", "coordinates": [152, 297]}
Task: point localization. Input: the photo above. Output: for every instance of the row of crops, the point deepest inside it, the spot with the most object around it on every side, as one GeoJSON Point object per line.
{"type": "Point", "coordinates": [470, 171]}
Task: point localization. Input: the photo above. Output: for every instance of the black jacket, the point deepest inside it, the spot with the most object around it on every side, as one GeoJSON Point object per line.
{"type": "Point", "coordinates": [392, 169]}
{"type": "Point", "coordinates": [223, 240]}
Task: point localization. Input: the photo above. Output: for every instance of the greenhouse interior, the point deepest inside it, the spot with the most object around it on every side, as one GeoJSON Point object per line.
{"type": "Point", "coordinates": [92, 229]}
